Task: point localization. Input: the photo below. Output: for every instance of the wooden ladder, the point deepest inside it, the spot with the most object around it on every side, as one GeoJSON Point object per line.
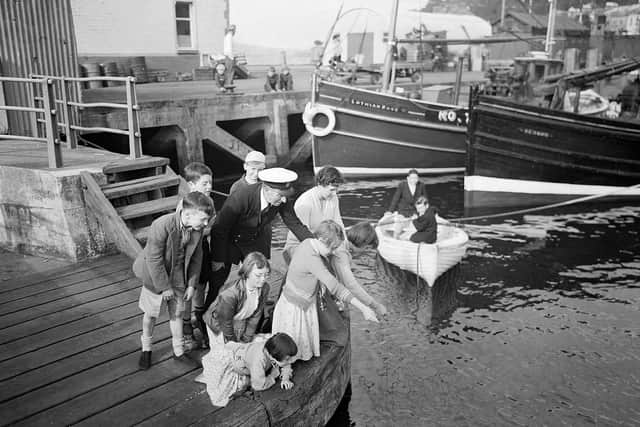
{"type": "Point", "coordinates": [135, 193]}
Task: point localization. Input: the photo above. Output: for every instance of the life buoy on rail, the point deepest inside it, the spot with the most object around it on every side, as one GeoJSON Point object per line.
{"type": "Point", "coordinates": [310, 112]}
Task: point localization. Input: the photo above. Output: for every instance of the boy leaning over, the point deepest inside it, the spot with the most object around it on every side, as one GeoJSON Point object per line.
{"type": "Point", "coordinates": [169, 268]}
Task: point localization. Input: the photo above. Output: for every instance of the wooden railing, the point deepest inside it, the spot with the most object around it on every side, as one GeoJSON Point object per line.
{"type": "Point", "coordinates": [66, 117]}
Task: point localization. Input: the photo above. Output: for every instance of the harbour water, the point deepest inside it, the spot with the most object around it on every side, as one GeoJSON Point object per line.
{"type": "Point", "coordinates": [539, 324]}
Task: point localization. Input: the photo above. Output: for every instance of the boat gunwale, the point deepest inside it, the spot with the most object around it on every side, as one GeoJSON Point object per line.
{"type": "Point", "coordinates": [391, 95]}
{"type": "Point", "coordinates": [458, 239]}
{"type": "Point", "coordinates": [487, 103]}
{"type": "Point", "coordinates": [398, 120]}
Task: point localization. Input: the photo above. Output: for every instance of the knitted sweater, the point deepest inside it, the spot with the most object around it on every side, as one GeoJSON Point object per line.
{"type": "Point", "coordinates": [306, 270]}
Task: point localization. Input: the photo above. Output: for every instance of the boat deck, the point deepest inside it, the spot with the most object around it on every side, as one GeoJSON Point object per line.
{"type": "Point", "coordinates": [69, 355]}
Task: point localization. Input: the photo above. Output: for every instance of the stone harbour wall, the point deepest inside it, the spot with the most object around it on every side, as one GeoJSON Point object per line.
{"type": "Point", "coordinates": [43, 212]}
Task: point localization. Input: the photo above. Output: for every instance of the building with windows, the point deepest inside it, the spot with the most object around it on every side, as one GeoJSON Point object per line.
{"type": "Point", "coordinates": [624, 20]}
{"type": "Point", "coordinates": [170, 34]}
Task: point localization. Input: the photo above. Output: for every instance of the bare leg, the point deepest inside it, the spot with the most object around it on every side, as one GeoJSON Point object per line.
{"type": "Point", "coordinates": [175, 324]}
{"type": "Point", "coordinates": [148, 324]}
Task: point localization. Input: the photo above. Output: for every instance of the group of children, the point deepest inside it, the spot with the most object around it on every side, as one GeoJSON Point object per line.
{"type": "Point", "coordinates": [176, 266]}
{"type": "Point", "coordinates": [278, 82]}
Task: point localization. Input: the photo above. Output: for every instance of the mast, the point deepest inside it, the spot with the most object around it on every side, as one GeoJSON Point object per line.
{"type": "Point", "coordinates": [551, 28]}
{"type": "Point", "coordinates": [388, 59]}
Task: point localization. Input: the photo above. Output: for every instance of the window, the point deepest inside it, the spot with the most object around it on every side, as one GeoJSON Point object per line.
{"type": "Point", "coordinates": [184, 27]}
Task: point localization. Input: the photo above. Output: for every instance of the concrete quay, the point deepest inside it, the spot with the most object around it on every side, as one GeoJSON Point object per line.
{"type": "Point", "coordinates": [189, 117]}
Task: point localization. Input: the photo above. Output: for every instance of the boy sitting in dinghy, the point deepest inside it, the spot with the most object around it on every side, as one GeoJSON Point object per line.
{"type": "Point", "coordinates": [425, 223]}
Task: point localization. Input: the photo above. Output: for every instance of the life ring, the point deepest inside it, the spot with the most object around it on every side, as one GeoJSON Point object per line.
{"type": "Point", "coordinates": [310, 112]}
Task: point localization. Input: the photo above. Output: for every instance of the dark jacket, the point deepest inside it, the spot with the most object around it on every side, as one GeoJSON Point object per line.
{"type": "Point", "coordinates": [205, 270]}
{"type": "Point", "coordinates": [271, 83]}
{"type": "Point", "coordinates": [219, 317]}
{"type": "Point", "coordinates": [158, 266]}
{"type": "Point", "coordinates": [239, 183]}
{"type": "Point", "coordinates": [426, 226]}
{"type": "Point", "coordinates": [240, 228]}
{"type": "Point", "coordinates": [403, 201]}
{"type": "Point", "coordinates": [286, 81]}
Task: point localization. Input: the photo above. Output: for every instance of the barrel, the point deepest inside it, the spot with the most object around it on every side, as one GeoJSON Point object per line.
{"type": "Point", "coordinates": [139, 69]}
{"type": "Point", "coordinates": [92, 69]}
{"type": "Point", "coordinates": [111, 70]}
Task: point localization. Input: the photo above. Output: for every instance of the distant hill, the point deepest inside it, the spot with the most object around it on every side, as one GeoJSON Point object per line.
{"type": "Point", "coordinates": [263, 55]}
{"type": "Point", "coordinates": [490, 9]}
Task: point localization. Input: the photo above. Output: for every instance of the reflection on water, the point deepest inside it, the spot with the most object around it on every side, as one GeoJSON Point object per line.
{"type": "Point", "coordinates": [538, 325]}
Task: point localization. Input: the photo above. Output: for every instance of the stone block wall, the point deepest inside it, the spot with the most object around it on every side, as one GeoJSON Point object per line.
{"type": "Point", "coordinates": [43, 212]}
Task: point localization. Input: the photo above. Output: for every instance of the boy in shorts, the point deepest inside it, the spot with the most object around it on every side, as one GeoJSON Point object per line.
{"type": "Point", "coordinates": [169, 268]}
{"type": "Point", "coordinates": [199, 178]}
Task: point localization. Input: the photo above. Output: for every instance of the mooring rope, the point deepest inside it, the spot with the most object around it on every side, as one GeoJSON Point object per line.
{"type": "Point", "coordinates": [521, 211]}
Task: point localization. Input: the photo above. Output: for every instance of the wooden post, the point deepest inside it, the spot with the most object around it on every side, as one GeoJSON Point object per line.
{"type": "Point", "coordinates": [51, 125]}
{"type": "Point", "coordinates": [576, 101]}
{"type": "Point", "coordinates": [456, 87]}
{"type": "Point", "coordinates": [72, 140]}
{"type": "Point", "coordinates": [388, 59]}
{"type": "Point", "coordinates": [135, 144]}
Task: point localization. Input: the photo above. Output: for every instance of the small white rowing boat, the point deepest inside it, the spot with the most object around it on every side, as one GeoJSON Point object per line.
{"type": "Point", "coordinates": [428, 261]}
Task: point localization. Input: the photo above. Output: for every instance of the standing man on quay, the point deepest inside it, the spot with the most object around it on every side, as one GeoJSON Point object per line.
{"type": "Point", "coordinates": [229, 60]}
{"type": "Point", "coordinates": [243, 224]}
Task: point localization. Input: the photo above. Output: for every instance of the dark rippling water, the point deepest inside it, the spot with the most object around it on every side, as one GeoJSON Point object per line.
{"type": "Point", "coordinates": [538, 325]}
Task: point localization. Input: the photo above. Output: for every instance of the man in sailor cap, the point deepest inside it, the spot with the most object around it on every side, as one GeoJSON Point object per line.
{"type": "Point", "coordinates": [243, 224]}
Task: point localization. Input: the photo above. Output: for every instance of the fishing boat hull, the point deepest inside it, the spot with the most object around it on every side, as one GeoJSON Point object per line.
{"type": "Point", "coordinates": [523, 156]}
{"type": "Point", "coordinates": [378, 134]}
{"type": "Point", "coordinates": [429, 261]}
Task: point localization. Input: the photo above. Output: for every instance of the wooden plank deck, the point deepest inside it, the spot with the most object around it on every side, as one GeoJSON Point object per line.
{"type": "Point", "coordinates": [33, 155]}
{"type": "Point", "coordinates": [69, 347]}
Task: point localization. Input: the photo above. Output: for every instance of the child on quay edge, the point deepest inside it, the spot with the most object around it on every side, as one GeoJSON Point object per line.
{"type": "Point", "coordinates": [232, 368]}
{"type": "Point", "coordinates": [199, 178]}
{"type": "Point", "coordinates": [169, 268]}
{"type": "Point", "coordinates": [271, 82]}
{"type": "Point", "coordinates": [286, 79]}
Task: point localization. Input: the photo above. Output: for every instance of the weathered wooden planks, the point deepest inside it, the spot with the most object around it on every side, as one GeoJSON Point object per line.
{"type": "Point", "coordinates": [25, 342]}
{"type": "Point", "coordinates": [40, 368]}
{"type": "Point", "coordinates": [76, 312]}
{"type": "Point", "coordinates": [74, 361]}
{"type": "Point", "coordinates": [60, 299]}
{"type": "Point", "coordinates": [64, 275]}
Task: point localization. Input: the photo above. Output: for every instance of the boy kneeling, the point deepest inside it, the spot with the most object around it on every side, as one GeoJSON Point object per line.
{"type": "Point", "coordinates": [169, 268]}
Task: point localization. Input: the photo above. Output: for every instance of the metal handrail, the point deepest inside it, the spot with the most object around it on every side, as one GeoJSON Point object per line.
{"type": "Point", "coordinates": [21, 137]}
{"type": "Point", "coordinates": [100, 104]}
{"type": "Point", "coordinates": [88, 79]}
{"type": "Point", "coordinates": [51, 114]}
{"type": "Point", "coordinates": [100, 129]}
{"type": "Point", "coordinates": [89, 104]}
{"type": "Point", "coordinates": [21, 79]}
{"type": "Point", "coordinates": [16, 108]}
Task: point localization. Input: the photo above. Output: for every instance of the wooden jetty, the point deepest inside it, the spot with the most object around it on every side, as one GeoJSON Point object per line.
{"type": "Point", "coordinates": [70, 338]}
{"type": "Point", "coordinates": [70, 344]}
